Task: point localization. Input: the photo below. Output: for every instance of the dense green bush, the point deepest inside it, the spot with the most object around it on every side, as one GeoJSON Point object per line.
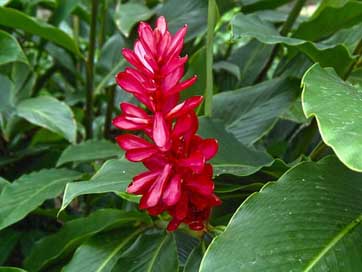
{"type": "Point", "coordinates": [281, 84]}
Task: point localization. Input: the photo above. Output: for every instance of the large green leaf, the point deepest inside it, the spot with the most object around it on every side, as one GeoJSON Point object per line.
{"type": "Point", "coordinates": [75, 232]}
{"type": "Point", "coordinates": [63, 10]}
{"type": "Point", "coordinates": [329, 20]}
{"type": "Point", "coordinates": [193, 261]}
{"type": "Point", "coordinates": [129, 14]}
{"type": "Point", "coordinates": [251, 59]}
{"type": "Point", "coordinates": [114, 176]}
{"type": "Point", "coordinates": [3, 183]}
{"type": "Point", "coordinates": [9, 239]}
{"type": "Point", "coordinates": [13, 18]}
{"type": "Point", "coordinates": [253, 5]}
{"type": "Point", "coordinates": [29, 191]}
{"type": "Point", "coordinates": [11, 269]}
{"type": "Point", "coordinates": [102, 252]}
{"type": "Point", "coordinates": [251, 26]}
{"type": "Point", "coordinates": [88, 151]}
{"type": "Point", "coordinates": [233, 157]}
{"type": "Point", "coordinates": [10, 50]}
{"type": "Point", "coordinates": [309, 220]}
{"type": "Point", "coordinates": [7, 95]}
{"type": "Point", "coordinates": [153, 251]}
{"type": "Point", "coordinates": [250, 112]}
{"type": "Point", "coordinates": [50, 113]}
{"type": "Point", "coordinates": [190, 12]}
{"type": "Point", "coordinates": [337, 106]}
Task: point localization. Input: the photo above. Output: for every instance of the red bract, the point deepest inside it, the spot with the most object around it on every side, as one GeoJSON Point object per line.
{"type": "Point", "coordinates": [178, 179]}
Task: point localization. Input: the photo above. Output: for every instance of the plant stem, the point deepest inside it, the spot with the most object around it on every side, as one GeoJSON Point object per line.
{"type": "Point", "coordinates": [90, 72]}
{"type": "Point", "coordinates": [42, 79]}
{"type": "Point", "coordinates": [110, 103]}
{"type": "Point", "coordinates": [287, 26]}
{"type": "Point", "coordinates": [102, 23]}
{"type": "Point", "coordinates": [211, 22]}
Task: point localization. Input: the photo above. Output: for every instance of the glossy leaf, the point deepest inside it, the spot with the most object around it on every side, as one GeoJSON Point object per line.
{"type": "Point", "coordinates": [253, 5]}
{"type": "Point", "coordinates": [11, 269]}
{"type": "Point", "coordinates": [3, 183]}
{"type": "Point", "coordinates": [75, 232]}
{"type": "Point", "coordinates": [329, 20]}
{"type": "Point", "coordinates": [129, 14]}
{"type": "Point", "coordinates": [152, 252]}
{"type": "Point", "coordinates": [114, 176]}
{"type": "Point", "coordinates": [101, 252]}
{"type": "Point", "coordinates": [309, 220]}
{"type": "Point", "coordinates": [50, 113]}
{"type": "Point", "coordinates": [13, 18]}
{"type": "Point", "coordinates": [337, 106]}
{"type": "Point", "coordinates": [29, 191]}
{"type": "Point", "coordinates": [88, 151]}
{"type": "Point", "coordinates": [249, 113]}
{"type": "Point", "coordinates": [252, 27]}
{"type": "Point", "coordinates": [194, 260]}
{"type": "Point", "coordinates": [233, 157]}
{"type": "Point", "coordinates": [10, 50]}
{"type": "Point", "coordinates": [192, 12]}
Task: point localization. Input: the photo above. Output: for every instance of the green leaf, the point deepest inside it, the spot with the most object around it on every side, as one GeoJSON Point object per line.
{"type": "Point", "coordinates": [50, 113]}
{"type": "Point", "coordinates": [114, 176]}
{"type": "Point", "coordinates": [250, 58]}
{"type": "Point", "coordinates": [233, 157]}
{"type": "Point", "coordinates": [309, 220]}
{"type": "Point", "coordinates": [13, 18]}
{"type": "Point", "coordinates": [11, 269]}
{"type": "Point", "coordinates": [129, 14]}
{"type": "Point", "coordinates": [74, 232]}
{"type": "Point", "coordinates": [7, 95]}
{"type": "Point", "coordinates": [3, 183]}
{"type": "Point", "coordinates": [153, 251]}
{"type": "Point", "coordinates": [10, 50]}
{"type": "Point", "coordinates": [337, 106]}
{"type": "Point", "coordinates": [9, 239]}
{"type": "Point", "coordinates": [194, 260]}
{"type": "Point", "coordinates": [251, 26]}
{"type": "Point", "coordinates": [249, 113]}
{"type": "Point", "coordinates": [178, 13]}
{"type": "Point", "coordinates": [329, 20]}
{"type": "Point", "coordinates": [101, 252]}
{"type": "Point", "coordinates": [88, 151]}
{"type": "Point", "coordinates": [196, 66]}
{"type": "Point", "coordinates": [253, 5]}
{"type": "Point", "coordinates": [63, 10]}
{"type": "Point", "coordinates": [29, 191]}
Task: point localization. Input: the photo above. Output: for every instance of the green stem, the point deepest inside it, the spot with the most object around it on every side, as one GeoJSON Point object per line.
{"type": "Point", "coordinates": [287, 26]}
{"type": "Point", "coordinates": [102, 23]}
{"type": "Point", "coordinates": [211, 22]}
{"type": "Point", "coordinates": [42, 79]}
{"type": "Point", "coordinates": [110, 104]}
{"type": "Point", "coordinates": [90, 72]}
{"type": "Point", "coordinates": [318, 151]}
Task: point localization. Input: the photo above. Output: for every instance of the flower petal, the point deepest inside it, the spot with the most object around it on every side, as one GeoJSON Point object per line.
{"type": "Point", "coordinates": [196, 162]}
{"type": "Point", "coordinates": [160, 130]}
{"type": "Point", "coordinates": [184, 107]}
{"type": "Point", "coordinates": [142, 182]}
{"type": "Point", "coordinates": [140, 154]}
{"type": "Point", "coordinates": [201, 185]}
{"type": "Point", "coordinates": [172, 192]}
{"type": "Point", "coordinates": [209, 148]}
{"type": "Point", "coordinates": [153, 196]}
{"type": "Point", "coordinates": [130, 141]}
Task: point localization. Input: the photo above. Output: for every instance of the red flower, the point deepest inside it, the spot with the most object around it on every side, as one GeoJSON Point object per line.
{"type": "Point", "coordinates": [179, 179]}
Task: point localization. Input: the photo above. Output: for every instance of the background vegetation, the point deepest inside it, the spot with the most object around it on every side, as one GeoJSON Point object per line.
{"type": "Point", "coordinates": [281, 81]}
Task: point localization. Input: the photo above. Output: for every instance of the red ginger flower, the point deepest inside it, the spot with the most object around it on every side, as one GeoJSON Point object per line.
{"type": "Point", "coordinates": [179, 179]}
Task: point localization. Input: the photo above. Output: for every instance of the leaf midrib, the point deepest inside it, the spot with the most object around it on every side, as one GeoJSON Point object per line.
{"type": "Point", "coordinates": [152, 262]}
{"type": "Point", "coordinates": [37, 192]}
{"type": "Point", "coordinates": [117, 249]}
{"type": "Point", "coordinates": [334, 241]}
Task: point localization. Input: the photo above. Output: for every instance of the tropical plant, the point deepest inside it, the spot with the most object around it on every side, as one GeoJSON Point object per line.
{"type": "Point", "coordinates": [276, 137]}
